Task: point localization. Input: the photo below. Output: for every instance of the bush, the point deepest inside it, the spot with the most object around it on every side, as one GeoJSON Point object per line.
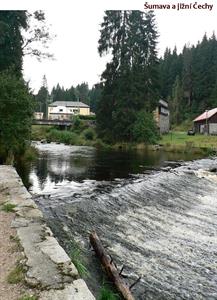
{"type": "Point", "coordinates": [78, 125]}
{"type": "Point", "coordinates": [90, 117]}
{"type": "Point", "coordinates": [145, 129]}
{"type": "Point", "coordinates": [66, 137]}
{"type": "Point", "coordinates": [89, 134]}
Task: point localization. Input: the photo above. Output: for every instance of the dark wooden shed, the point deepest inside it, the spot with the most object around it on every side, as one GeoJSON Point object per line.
{"type": "Point", "coordinates": [206, 123]}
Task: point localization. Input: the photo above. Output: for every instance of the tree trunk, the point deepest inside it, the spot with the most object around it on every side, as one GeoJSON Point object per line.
{"type": "Point", "coordinates": [110, 268]}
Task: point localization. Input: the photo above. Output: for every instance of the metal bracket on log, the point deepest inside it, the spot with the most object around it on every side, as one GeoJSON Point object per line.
{"type": "Point", "coordinates": [110, 267]}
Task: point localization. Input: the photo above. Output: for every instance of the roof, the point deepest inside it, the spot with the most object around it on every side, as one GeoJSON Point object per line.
{"type": "Point", "coordinates": [163, 103]}
{"type": "Point", "coordinates": [206, 115]}
{"type": "Point", "coordinates": [69, 104]}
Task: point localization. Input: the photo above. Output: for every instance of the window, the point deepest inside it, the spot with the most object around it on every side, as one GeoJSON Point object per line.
{"type": "Point", "coordinates": [76, 111]}
{"type": "Point", "coordinates": [60, 110]}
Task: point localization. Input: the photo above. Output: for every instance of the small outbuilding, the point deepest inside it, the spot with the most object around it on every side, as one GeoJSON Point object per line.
{"type": "Point", "coordinates": [162, 116]}
{"type": "Point", "coordinates": [206, 123]}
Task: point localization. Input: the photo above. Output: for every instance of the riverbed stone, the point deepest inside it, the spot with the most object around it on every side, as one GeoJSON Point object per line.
{"type": "Point", "coordinates": [78, 290]}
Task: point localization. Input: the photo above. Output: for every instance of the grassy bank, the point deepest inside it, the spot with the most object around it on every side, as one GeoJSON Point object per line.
{"type": "Point", "coordinates": [179, 141]}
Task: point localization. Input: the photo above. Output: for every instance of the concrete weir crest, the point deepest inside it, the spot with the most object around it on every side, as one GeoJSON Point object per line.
{"type": "Point", "coordinates": [49, 268]}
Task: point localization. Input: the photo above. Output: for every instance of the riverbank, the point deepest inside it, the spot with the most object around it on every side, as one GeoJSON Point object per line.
{"type": "Point", "coordinates": [45, 267]}
{"type": "Point", "coordinates": [180, 141]}
{"type": "Point", "coordinates": [177, 142]}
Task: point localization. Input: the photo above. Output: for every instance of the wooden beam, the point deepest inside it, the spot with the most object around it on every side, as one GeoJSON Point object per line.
{"type": "Point", "coordinates": [109, 267]}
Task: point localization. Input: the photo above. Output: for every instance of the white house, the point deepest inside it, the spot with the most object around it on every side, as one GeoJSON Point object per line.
{"type": "Point", "coordinates": [38, 115]}
{"type": "Point", "coordinates": [64, 110]}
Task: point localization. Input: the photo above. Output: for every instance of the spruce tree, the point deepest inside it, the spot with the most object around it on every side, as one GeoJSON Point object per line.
{"type": "Point", "coordinates": [130, 79]}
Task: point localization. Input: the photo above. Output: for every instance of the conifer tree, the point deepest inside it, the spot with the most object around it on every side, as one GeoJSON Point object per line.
{"type": "Point", "coordinates": [130, 78]}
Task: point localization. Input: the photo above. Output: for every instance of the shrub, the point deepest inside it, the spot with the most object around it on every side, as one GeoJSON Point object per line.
{"type": "Point", "coordinates": [66, 137]}
{"type": "Point", "coordinates": [90, 117]}
{"type": "Point", "coordinates": [89, 134]}
{"type": "Point", "coordinates": [145, 129]}
{"type": "Point", "coordinates": [76, 122]}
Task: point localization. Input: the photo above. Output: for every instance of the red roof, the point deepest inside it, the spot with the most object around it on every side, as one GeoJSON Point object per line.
{"type": "Point", "coordinates": [206, 115]}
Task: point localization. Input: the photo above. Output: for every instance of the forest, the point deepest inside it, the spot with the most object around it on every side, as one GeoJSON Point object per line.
{"type": "Point", "coordinates": [189, 80]}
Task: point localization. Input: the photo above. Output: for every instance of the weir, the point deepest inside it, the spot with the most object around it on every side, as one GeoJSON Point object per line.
{"type": "Point", "coordinates": [162, 225]}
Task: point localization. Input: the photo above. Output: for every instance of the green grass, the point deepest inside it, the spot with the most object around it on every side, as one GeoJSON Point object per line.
{"type": "Point", "coordinates": [17, 247]}
{"type": "Point", "coordinates": [8, 207]}
{"type": "Point", "coordinates": [16, 275]}
{"type": "Point", "coordinates": [178, 138]}
{"type": "Point", "coordinates": [28, 297]}
{"type": "Point", "coordinates": [107, 294]}
{"type": "Point", "coordinates": [30, 154]}
{"type": "Point", "coordinates": [77, 259]}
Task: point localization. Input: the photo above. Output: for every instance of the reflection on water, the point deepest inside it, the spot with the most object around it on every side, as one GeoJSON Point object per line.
{"type": "Point", "coordinates": [59, 163]}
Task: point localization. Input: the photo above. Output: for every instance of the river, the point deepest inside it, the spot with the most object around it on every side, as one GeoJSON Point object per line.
{"type": "Point", "coordinates": [157, 218]}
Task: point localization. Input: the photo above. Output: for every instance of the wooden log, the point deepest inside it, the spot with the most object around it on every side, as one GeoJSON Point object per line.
{"type": "Point", "coordinates": [110, 268]}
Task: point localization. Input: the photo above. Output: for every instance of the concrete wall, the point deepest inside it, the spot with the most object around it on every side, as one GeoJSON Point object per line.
{"type": "Point", "coordinates": [49, 269]}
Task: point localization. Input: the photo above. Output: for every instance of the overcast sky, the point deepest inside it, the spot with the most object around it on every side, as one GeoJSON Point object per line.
{"type": "Point", "coordinates": [76, 25]}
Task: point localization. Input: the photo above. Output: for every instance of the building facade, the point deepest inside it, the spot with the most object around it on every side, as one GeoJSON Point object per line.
{"type": "Point", "coordinates": [65, 110]}
{"type": "Point", "coordinates": [206, 123]}
{"type": "Point", "coordinates": [162, 116]}
{"type": "Point", "coordinates": [38, 115]}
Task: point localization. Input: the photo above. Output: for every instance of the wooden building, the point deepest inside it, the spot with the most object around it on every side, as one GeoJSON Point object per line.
{"type": "Point", "coordinates": [162, 116]}
{"type": "Point", "coordinates": [206, 123]}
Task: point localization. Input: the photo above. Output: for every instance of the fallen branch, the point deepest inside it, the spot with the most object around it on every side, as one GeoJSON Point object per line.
{"type": "Point", "coordinates": [110, 268]}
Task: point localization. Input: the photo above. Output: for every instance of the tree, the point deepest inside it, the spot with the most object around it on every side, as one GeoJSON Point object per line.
{"type": "Point", "coordinates": [82, 92]}
{"type": "Point", "coordinates": [177, 99]}
{"type": "Point", "coordinates": [16, 108]}
{"type": "Point", "coordinates": [42, 97]}
{"type": "Point", "coordinates": [95, 96]}
{"type": "Point", "coordinates": [11, 39]}
{"type": "Point", "coordinates": [130, 80]}
{"type": "Point", "coordinates": [16, 102]}
{"type": "Point", "coordinates": [18, 37]}
{"type": "Point", "coordinates": [36, 36]}
{"type": "Point", "coordinates": [145, 128]}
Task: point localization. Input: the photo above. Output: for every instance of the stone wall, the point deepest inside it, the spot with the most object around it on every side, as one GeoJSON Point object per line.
{"type": "Point", "coordinates": [49, 268]}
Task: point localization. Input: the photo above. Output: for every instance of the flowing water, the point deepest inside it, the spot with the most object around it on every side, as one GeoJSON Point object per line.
{"type": "Point", "coordinates": [157, 218]}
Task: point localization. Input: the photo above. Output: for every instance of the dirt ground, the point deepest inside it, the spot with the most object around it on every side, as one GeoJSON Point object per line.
{"type": "Point", "coordinates": [9, 255]}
